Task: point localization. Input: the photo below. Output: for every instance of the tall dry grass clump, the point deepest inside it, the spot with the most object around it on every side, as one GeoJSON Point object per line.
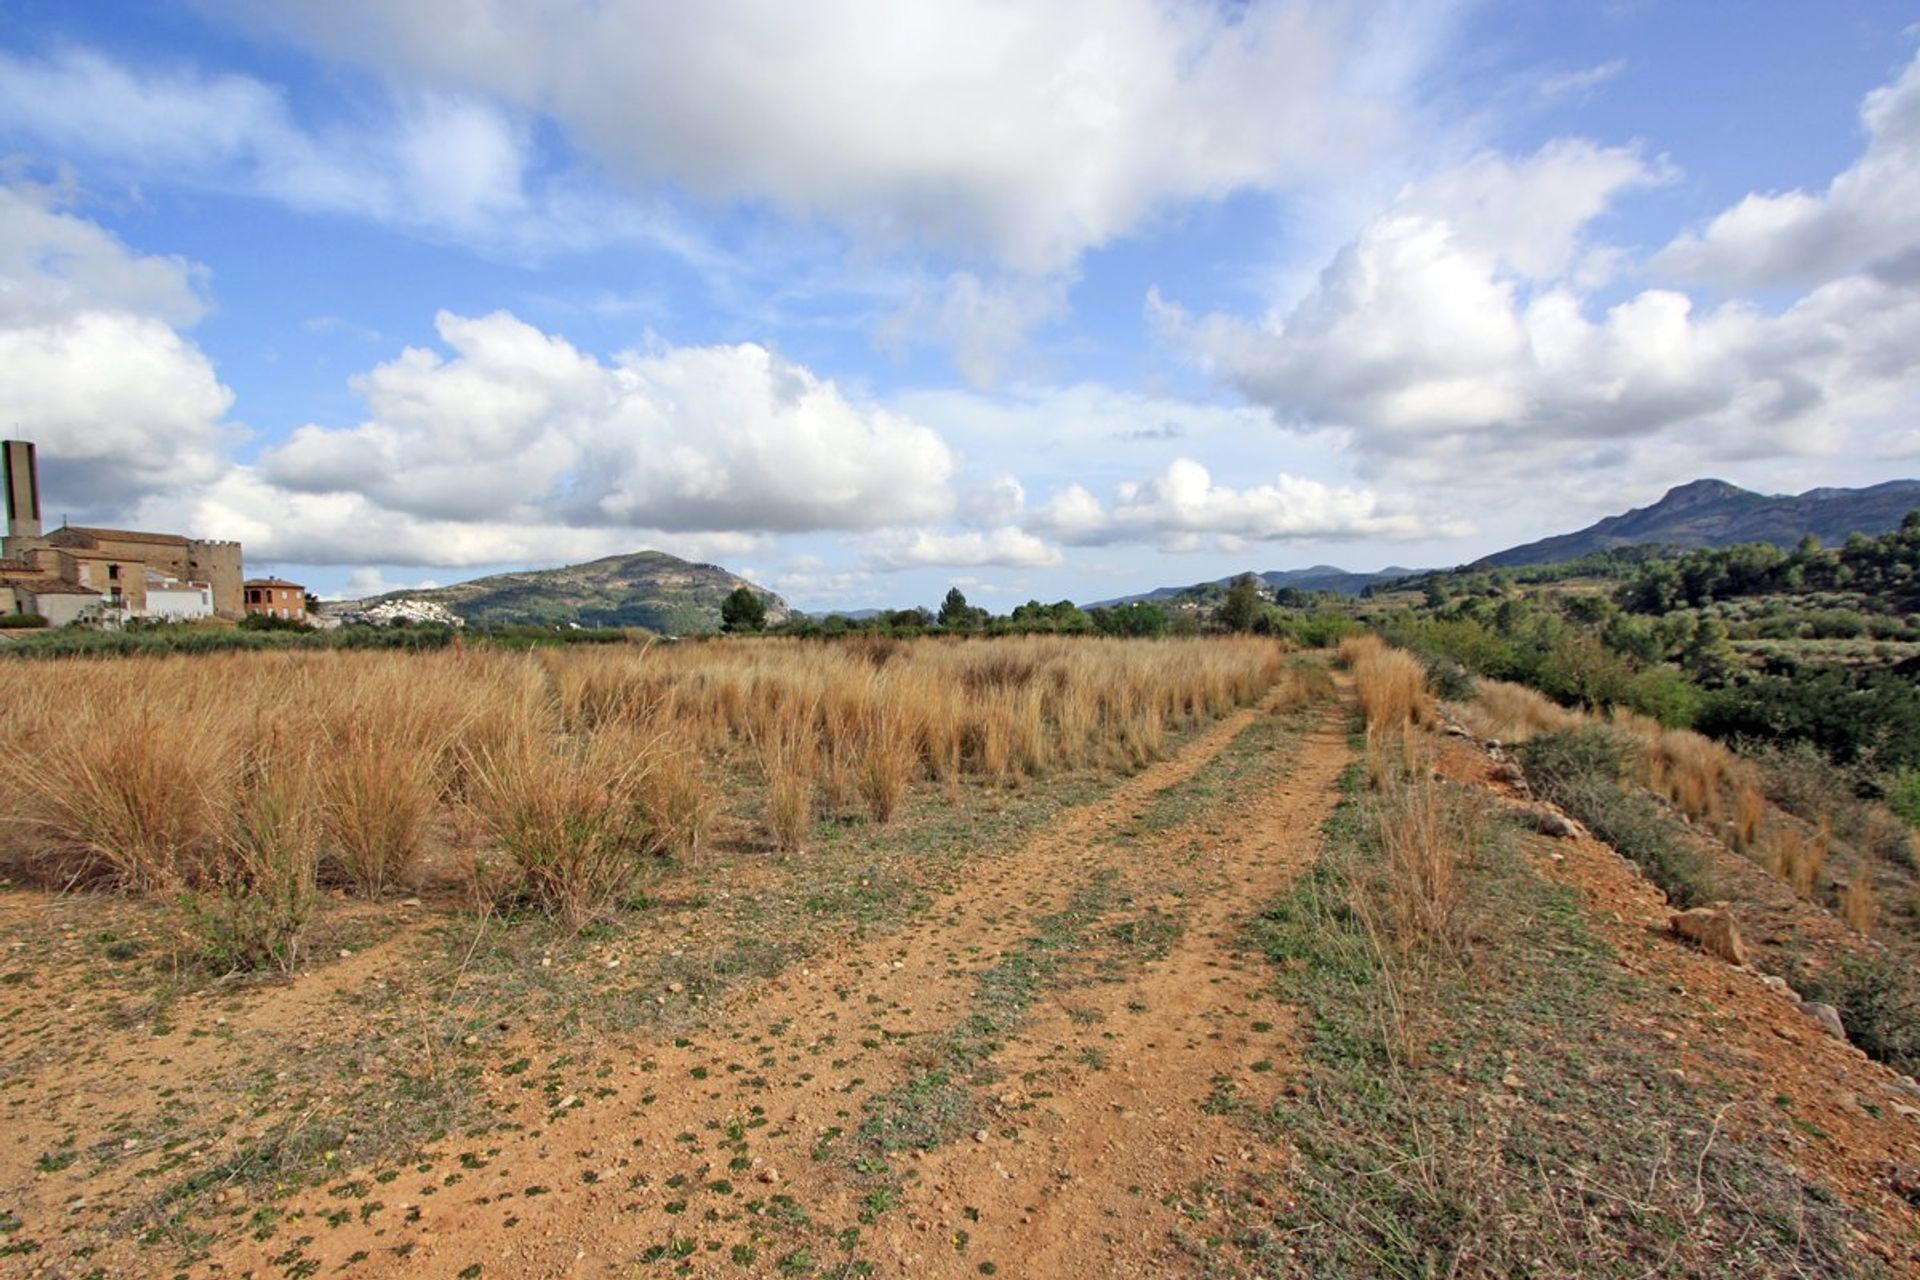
{"type": "Point", "coordinates": [568, 813]}
{"type": "Point", "coordinates": [1355, 649]}
{"type": "Point", "coordinates": [1797, 858]}
{"type": "Point", "coordinates": [1392, 688]}
{"type": "Point", "coordinates": [1507, 712]}
{"type": "Point", "coordinates": [133, 801]}
{"type": "Point", "coordinates": [1860, 903]}
{"type": "Point", "coordinates": [789, 753]}
{"type": "Point", "coordinates": [378, 795]}
{"type": "Point", "coordinates": [888, 755]}
{"type": "Point", "coordinates": [1424, 838]}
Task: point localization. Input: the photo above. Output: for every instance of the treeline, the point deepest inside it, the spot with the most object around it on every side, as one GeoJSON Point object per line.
{"type": "Point", "coordinates": [1243, 609]}
{"type": "Point", "coordinates": [1885, 567]}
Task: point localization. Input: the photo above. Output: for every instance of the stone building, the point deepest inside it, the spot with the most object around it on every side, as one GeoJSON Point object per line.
{"type": "Point", "coordinates": [123, 567]}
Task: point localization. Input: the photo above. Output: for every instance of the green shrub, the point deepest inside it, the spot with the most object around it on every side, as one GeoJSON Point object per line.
{"type": "Point", "coordinates": [1879, 1002]}
{"type": "Point", "coordinates": [21, 621]}
{"type": "Point", "coordinates": [1581, 771]}
{"type": "Point", "coordinates": [1903, 795]}
{"type": "Point", "coordinates": [1450, 680]}
{"type": "Point", "coordinates": [1666, 695]}
{"type": "Point", "coordinates": [1554, 761]}
{"type": "Point", "coordinates": [257, 894]}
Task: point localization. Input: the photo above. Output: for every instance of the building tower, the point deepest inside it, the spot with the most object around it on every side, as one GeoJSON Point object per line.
{"type": "Point", "coordinates": [23, 490]}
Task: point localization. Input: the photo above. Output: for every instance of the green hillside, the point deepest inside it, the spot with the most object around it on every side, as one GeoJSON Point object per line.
{"type": "Point", "coordinates": [642, 589]}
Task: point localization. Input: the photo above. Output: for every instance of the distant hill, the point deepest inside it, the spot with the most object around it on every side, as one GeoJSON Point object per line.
{"type": "Point", "coordinates": [1321, 577]}
{"type": "Point", "coordinates": [643, 589]}
{"type": "Point", "coordinates": [1713, 513]}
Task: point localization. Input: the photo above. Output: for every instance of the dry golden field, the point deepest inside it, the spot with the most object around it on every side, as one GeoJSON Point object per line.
{"type": "Point", "coordinates": [237, 784]}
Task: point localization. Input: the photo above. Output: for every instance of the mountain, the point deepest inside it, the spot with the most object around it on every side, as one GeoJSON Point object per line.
{"type": "Point", "coordinates": [643, 589]}
{"type": "Point", "coordinates": [1713, 513]}
{"type": "Point", "coordinates": [1321, 577]}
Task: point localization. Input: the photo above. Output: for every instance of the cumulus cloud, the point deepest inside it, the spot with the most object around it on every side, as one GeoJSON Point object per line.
{"type": "Point", "coordinates": [516, 427]}
{"type": "Point", "coordinates": [97, 372]}
{"type": "Point", "coordinates": [1007, 547]}
{"type": "Point", "coordinates": [1864, 220]}
{"type": "Point", "coordinates": [1183, 503]}
{"type": "Point", "coordinates": [1456, 340]}
{"type": "Point", "coordinates": [1024, 133]}
{"type": "Point", "coordinates": [1532, 213]}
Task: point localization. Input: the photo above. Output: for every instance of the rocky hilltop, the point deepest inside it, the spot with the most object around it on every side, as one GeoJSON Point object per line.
{"type": "Point", "coordinates": [1713, 513]}
{"type": "Point", "coordinates": [642, 589]}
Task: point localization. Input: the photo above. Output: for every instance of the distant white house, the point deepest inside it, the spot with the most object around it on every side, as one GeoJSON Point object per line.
{"type": "Point", "coordinates": [171, 600]}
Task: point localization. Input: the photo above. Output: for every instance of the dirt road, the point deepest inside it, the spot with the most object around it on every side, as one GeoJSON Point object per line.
{"type": "Point", "coordinates": [1018, 1082]}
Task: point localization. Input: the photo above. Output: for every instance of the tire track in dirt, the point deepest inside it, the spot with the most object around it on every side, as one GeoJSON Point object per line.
{"type": "Point", "coordinates": [1086, 1181]}
{"type": "Point", "coordinates": [710, 1141]}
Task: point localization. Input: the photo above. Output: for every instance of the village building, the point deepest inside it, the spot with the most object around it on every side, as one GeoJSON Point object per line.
{"type": "Point", "coordinates": [124, 573]}
{"type": "Point", "coordinates": [276, 598]}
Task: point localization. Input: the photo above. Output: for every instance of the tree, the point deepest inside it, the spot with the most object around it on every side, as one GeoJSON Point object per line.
{"type": "Point", "coordinates": [1241, 609]}
{"type": "Point", "coordinates": [956, 614]}
{"type": "Point", "coordinates": [743, 610]}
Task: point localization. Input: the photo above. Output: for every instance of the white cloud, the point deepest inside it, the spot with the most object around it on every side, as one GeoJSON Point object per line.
{"type": "Point", "coordinates": [346, 528]}
{"type": "Point", "coordinates": [1531, 213]}
{"type": "Point", "coordinates": [1580, 83]}
{"type": "Point", "coordinates": [519, 428]}
{"type": "Point", "coordinates": [1024, 133]}
{"type": "Point", "coordinates": [1007, 547]}
{"type": "Point", "coordinates": [95, 370]}
{"type": "Point", "coordinates": [448, 163]}
{"type": "Point", "coordinates": [1864, 220]}
{"type": "Point", "coordinates": [1456, 340]}
{"type": "Point", "coordinates": [1183, 503]}
{"type": "Point", "coordinates": [1000, 500]}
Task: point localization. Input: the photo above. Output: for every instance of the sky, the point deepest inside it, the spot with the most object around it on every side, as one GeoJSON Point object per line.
{"type": "Point", "coordinates": [866, 299]}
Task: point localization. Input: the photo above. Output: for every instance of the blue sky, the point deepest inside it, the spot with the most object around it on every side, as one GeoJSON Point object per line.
{"type": "Point", "coordinates": [865, 300]}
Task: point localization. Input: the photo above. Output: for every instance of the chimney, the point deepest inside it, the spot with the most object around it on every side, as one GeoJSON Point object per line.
{"type": "Point", "coordinates": [23, 489]}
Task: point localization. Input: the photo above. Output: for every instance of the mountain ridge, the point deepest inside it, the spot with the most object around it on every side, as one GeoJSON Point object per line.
{"type": "Point", "coordinates": [1715, 513]}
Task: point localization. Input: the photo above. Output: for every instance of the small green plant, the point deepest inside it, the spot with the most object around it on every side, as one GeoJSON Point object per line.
{"type": "Point", "coordinates": [251, 912]}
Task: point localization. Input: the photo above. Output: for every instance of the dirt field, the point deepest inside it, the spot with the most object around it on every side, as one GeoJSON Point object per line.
{"type": "Point", "coordinates": [1049, 1046]}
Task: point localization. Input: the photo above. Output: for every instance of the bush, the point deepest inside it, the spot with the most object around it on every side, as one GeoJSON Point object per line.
{"type": "Point", "coordinates": [1879, 1002]}
{"type": "Point", "coordinates": [21, 621]}
{"type": "Point", "coordinates": [1903, 795]}
{"type": "Point", "coordinates": [271, 622]}
{"type": "Point", "coordinates": [1450, 680]}
{"type": "Point", "coordinates": [1555, 761]}
{"type": "Point", "coordinates": [1581, 771]}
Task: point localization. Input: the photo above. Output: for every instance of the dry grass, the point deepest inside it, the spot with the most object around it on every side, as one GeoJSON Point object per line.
{"type": "Point", "coordinates": [568, 814]}
{"type": "Point", "coordinates": [1860, 904]}
{"type": "Point", "coordinates": [1391, 685]}
{"type": "Point", "coordinates": [377, 795]}
{"type": "Point", "coordinates": [144, 774]}
{"type": "Point", "coordinates": [1514, 713]}
{"type": "Point", "coordinates": [1424, 837]}
{"type": "Point", "coordinates": [1749, 817]}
